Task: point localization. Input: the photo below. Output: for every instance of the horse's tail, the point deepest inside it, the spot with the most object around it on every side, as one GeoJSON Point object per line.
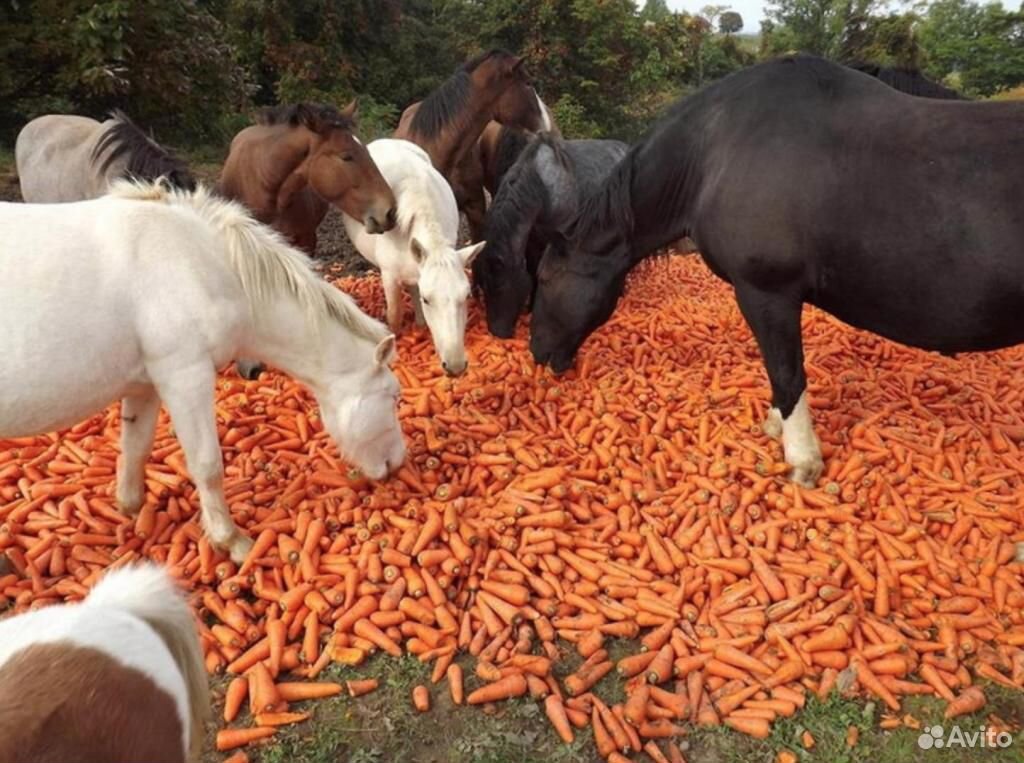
{"type": "Point", "coordinates": [147, 592]}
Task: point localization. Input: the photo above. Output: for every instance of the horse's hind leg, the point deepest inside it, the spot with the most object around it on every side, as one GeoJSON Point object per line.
{"type": "Point", "coordinates": [417, 304]}
{"type": "Point", "coordinates": [188, 394]}
{"type": "Point", "coordinates": [775, 320]}
{"type": "Point", "coordinates": [138, 425]}
{"type": "Point", "coordinates": [393, 301]}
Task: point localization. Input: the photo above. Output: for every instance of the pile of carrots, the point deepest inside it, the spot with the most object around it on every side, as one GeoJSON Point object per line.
{"type": "Point", "coordinates": [634, 498]}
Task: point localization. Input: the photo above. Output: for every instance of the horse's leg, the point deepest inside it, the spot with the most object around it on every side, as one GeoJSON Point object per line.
{"type": "Point", "coordinates": [138, 425]}
{"type": "Point", "coordinates": [775, 320]}
{"type": "Point", "coordinates": [188, 394]}
{"type": "Point", "coordinates": [417, 304]}
{"type": "Point", "coordinates": [475, 207]}
{"type": "Point", "coordinates": [393, 300]}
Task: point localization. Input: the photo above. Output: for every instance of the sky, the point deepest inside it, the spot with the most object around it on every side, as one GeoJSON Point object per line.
{"type": "Point", "coordinates": [752, 11]}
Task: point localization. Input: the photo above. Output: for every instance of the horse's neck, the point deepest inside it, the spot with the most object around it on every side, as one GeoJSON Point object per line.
{"type": "Point", "coordinates": [459, 137]}
{"type": "Point", "coordinates": [281, 336]}
{"type": "Point", "coordinates": [290, 150]}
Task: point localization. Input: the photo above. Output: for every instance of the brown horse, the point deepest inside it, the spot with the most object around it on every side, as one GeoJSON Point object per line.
{"type": "Point", "coordinates": [296, 161]}
{"type": "Point", "coordinates": [449, 121]}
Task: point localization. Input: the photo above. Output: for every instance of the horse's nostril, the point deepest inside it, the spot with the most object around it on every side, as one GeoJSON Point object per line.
{"type": "Point", "coordinates": [392, 216]}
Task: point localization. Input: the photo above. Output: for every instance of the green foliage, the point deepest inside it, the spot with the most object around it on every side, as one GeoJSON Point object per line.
{"type": "Point", "coordinates": [730, 22]}
{"type": "Point", "coordinates": [982, 44]}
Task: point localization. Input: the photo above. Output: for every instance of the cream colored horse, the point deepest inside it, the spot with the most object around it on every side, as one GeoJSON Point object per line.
{"type": "Point", "coordinates": [68, 158]}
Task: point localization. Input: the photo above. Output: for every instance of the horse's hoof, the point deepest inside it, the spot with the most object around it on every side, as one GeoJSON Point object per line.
{"type": "Point", "coordinates": [1019, 557]}
{"type": "Point", "coordinates": [807, 474]}
{"type": "Point", "coordinates": [130, 506]}
{"type": "Point", "coordinates": [773, 424]}
{"type": "Point", "coordinates": [238, 548]}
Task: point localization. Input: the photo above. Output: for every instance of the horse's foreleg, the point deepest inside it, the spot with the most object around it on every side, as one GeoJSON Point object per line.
{"type": "Point", "coordinates": [188, 395]}
{"type": "Point", "coordinates": [775, 320]}
{"type": "Point", "coordinates": [393, 300]}
{"type": "Point", "coordinates": [138, 425]}
{"type": "Point", "coordinates": [475, 209]}
{"type": "Point", "coordinates": [417, 304]}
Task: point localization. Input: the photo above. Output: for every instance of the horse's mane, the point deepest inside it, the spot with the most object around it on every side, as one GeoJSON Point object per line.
{"type": "Point", "coordinates": [146, 159]}
{"type": "Point", "coordinates": [318, 117]}
{"type": "Point", "coordinates": [265, 264]}
{"type": "Point", "coordinates": [610, 206]}
{"type": "Point", "coordinates": [511, 143]}
{"type": "Point", "coordinates": [907, 80]}
{"type": "Point", "coordinates": [446, 103]}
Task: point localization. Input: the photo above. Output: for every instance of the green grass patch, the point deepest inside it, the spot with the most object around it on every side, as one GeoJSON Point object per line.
{"type": "Point", "coordinates": [383, 726]}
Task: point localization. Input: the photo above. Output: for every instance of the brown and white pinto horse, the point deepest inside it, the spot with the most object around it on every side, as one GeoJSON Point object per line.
{"type": "Point", "coordinates": [493, 86]}
{"type": "Point", "coordinates": [117, 678]}
{"type": "Point", "coordinates": [298, 160]}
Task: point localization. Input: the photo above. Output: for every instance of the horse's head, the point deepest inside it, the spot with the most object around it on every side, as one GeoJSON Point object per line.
{"type": "Point", "coordinates": [359, 410]}
{"type": "Point", "coordinates": [518, 104]}
{"type": "Point", "coordinates": [506, 286]}
{"type": "Point", "coordinates": [444, 291]}
{"type": "Point", "coordinates": [576, 293]}
{"type": "Point", "coordinates": [342, 172]}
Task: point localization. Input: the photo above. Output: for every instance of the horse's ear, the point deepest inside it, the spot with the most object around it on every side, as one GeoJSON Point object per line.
{"type": "Point", "coordinates": [468, 253]}
{"type": "Point", "coordinates": [385, 352]}
{"type": "Point", "coordinates": [418, 252]}
{"type": "Point", "coordinates": [352, 110]}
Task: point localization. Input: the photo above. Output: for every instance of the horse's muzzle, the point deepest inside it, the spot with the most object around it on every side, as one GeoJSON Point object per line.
{"type": "Point", "coordinates": [381, 224]}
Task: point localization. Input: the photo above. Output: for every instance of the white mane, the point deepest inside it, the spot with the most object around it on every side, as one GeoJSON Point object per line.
{"type": "Point", "coordinates": [265, 264]}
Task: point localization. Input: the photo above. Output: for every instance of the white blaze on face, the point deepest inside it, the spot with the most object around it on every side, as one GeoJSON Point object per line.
{"type": "Point", "coordinates": [800, 444]}
{"type": "Point", "coordinates": [545, 115]}
{"type": "Point", "coordinates": [444, 292]}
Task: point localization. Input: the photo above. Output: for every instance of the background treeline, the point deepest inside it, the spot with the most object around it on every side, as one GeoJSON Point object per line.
{"type": "Point", "coordinates": [193, 70]}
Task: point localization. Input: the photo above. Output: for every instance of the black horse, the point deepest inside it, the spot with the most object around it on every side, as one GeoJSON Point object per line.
{"type": "Point", "coordinates": [907, 80]}
{"type": "Point", "coordinates": [805, 181]}
{"type": "Point", "coordinates": [539, 194]}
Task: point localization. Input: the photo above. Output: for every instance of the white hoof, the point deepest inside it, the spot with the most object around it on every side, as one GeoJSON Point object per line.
{"type": "Point", "coordinates": [130, 501]}
{"type": "Point", "coordinates": [1019, 557]}
{"type": "Point", "coordinates": [772, 425]}
{"type": "Point", "coordinates": [238, 548]}
{"type": "Point", "coordinates": [806, 474]}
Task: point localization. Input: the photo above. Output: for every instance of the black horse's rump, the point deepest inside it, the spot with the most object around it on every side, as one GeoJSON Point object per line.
{"type": "Point", "coordinates": [907, 80]}
{"type": "Point", "coordinates": [145, 158]}
{"type": "Point", "coordinates": [805, 181]}
{"type": "Point", "coordinates": [539, 194]}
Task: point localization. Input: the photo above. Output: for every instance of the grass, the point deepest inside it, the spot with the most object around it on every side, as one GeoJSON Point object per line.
{"type": "Point", "coordinates": [383, 727]}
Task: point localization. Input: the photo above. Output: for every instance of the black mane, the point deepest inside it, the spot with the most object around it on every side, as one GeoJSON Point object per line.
{"type": "Point", "coordinates": [318, 117]}
{"type": "Point", "coordinates": [445, 103]}
{"type": "Point", "coordinates": [512, 141]}
{"type": "Point", "coordinates": [146, 159]}
{"type": "Point", "coordinates": [907, 80]}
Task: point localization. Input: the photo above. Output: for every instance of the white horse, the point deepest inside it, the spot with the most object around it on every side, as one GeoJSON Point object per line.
{"type": "Point", "coordinates": [61, 157]}
{"type": "Point", "coordinates": [118, 677]}
{"type": "Point", "coordinates": [419, 252]}
{"type": "Point", "coordinates": [141, 295]}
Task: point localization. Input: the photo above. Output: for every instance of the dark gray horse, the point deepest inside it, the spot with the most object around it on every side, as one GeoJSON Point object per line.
{"type": "Point", "coordinates": [537, 196]}
{"type": "Point", "coordinates": [802, 181]}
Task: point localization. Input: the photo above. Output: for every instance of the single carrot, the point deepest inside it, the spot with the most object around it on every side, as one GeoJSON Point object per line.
{"type": "Point", "coordinates": [421, 698]}
{"type": "Point", "coordinates": [229, 739]}
{"type": "Point", "coordinates": [555, 711]}
{"type": "Point", "coordinates": [513, 685]}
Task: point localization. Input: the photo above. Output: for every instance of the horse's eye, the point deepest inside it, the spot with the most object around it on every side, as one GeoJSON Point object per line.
{"type": "Point", "coordinates": [425, 301]}
{"type": "Point", "coordinates": [347, 158]}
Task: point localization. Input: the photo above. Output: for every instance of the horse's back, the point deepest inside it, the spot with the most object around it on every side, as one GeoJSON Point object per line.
{"type": "Point", "coordinates": [53, 154]}
{"type": "Point", "coordinates": [855, 195]}
{"type": "Point", "coordinates": [137, 702]}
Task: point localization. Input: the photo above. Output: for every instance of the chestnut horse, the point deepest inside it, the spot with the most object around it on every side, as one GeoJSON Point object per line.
{"type": "Point", "coordinates": [449, 121]}
{"type": "Point", "coordinates": [298, 160]}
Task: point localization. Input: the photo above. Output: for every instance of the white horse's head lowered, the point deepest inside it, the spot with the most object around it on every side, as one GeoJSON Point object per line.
{"type": "Point", "coordinates": [359, 412]}
{"type": "Point", "coordinates": [317, 333]}
{"type": "Point", "coordinates": [444, 291]}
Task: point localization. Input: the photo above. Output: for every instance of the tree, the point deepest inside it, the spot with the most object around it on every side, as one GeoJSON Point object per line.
{"type": "Point", "coordinates": [730, 22]}
{"type": "Point", "coordinates": [980, 45]}
{"type": "Point", "coordinates": [655, 10]}
{"type": "Point", "coordinates": [822, 27]}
